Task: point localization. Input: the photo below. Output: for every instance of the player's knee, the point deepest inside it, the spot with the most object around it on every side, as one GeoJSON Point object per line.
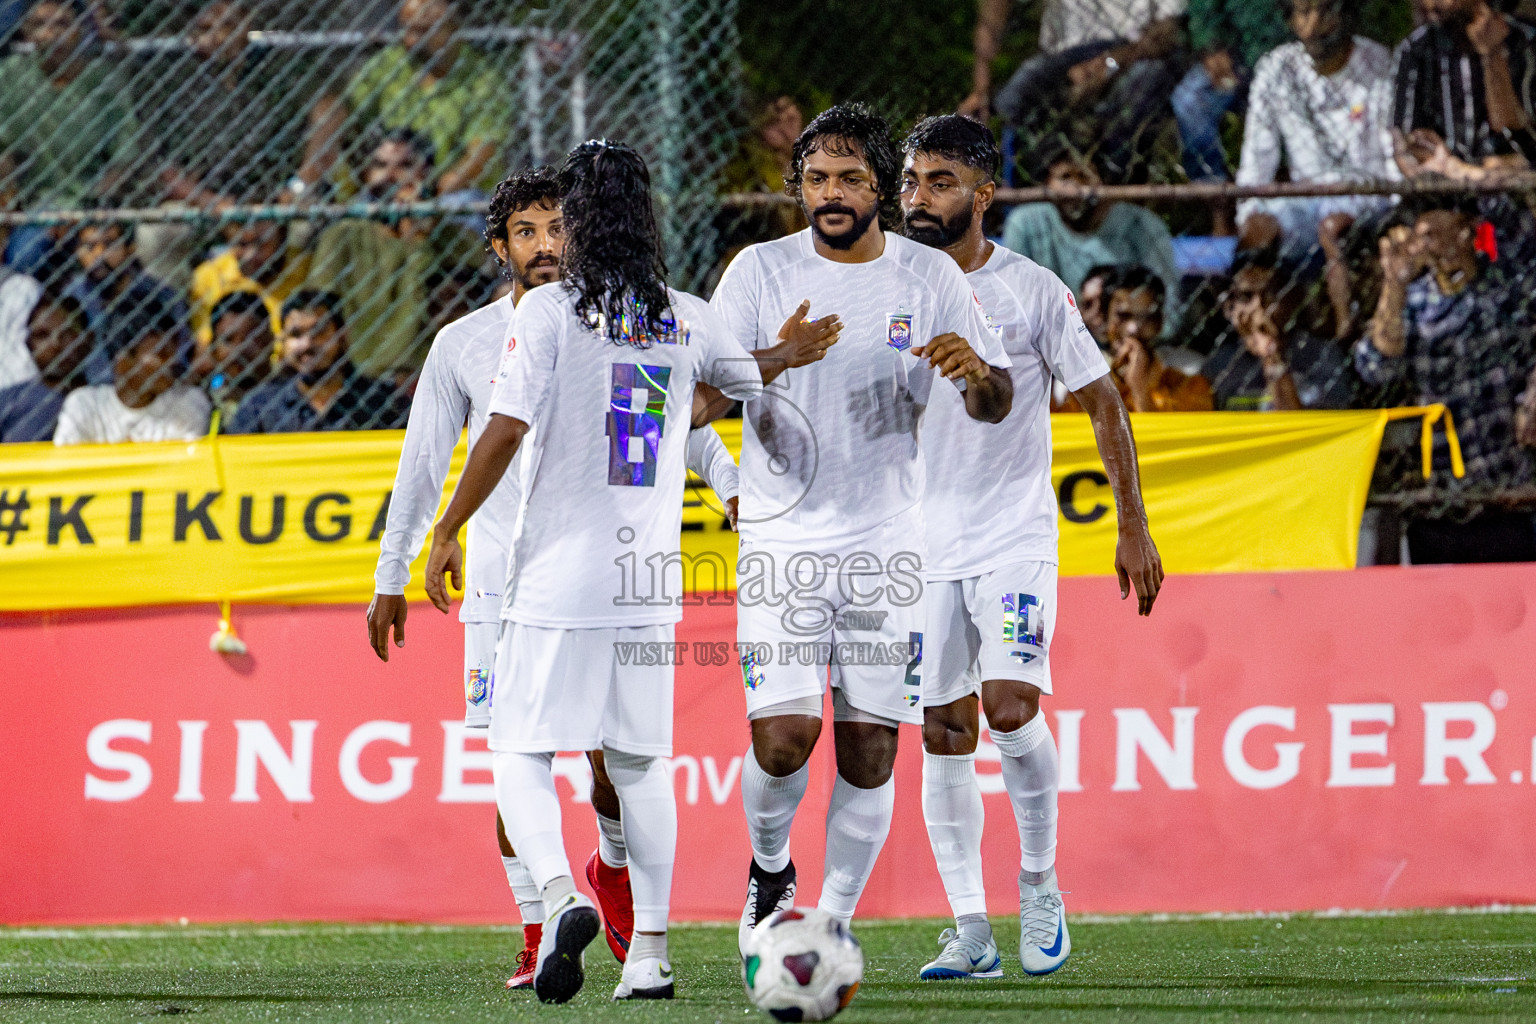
{"type": "Point", "coordinates": [952, 729]}
{"type": "Point", "coordinates": [866, 753]}
{"type": "Point", "coordinates": [783, 744]}
{"type": "Point", "coordinates": [605, 799]}
{"type": "Point", "coordinates": [1009, 704]}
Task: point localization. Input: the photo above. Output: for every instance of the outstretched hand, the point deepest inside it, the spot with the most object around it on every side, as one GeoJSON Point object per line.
{"type": "Point", "coordinates": [446, 559]}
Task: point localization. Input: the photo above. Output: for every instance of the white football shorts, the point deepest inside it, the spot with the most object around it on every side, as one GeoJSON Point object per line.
{"type": "Point", "coordinates": [583, 689]}
{"type": "Point", "coordinates": [479, 672]}
{"type": "Point", "coordinates": [994, 626]}
{"type": "Point", "coordinates": [862, 632]}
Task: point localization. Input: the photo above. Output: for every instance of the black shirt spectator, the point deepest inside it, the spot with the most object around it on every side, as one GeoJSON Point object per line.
{"type": "Point", "coordinates": [59, 340]}
{"type": "Point", "coordinates": [113, 287]}
{"type": "Point", "coordinates": [321, 389]}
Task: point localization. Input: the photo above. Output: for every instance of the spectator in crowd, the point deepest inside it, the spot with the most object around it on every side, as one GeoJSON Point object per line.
{"type": "Point", "coordinates": [1465, 92]}
{"type": "Point", "coordinates": [1092, 299]}
{"type": "Point", "coordinates": [321, 390]}
{"type": "Point", "coordinates": [18, 296]}
{"type": "Point", "coordinates": [1272, 364]}
{"type": "Point", "coordinates": [1133, 323]}
{"type": "Point", "coordinates": [68, 113]}
{"type": "Point", "coordinates": [112, 287]}
{"type": "Point", "coordinates": [382, 270]}
{"type": "Point", "coordinates": [435, 85]}
{"type": "Point", "coordinates": [1103, 76]}
{"type": "Point", "coordinates": [58, 341]}
{"type": "Point", "coordinates": [1070, 237]}
{"type": "Point", "coordinates": [760, 169]}
{"type": "Point", "coordinates": [1319, 106]}
{"type": "Point", "coordinates": [259, 261]}
{"type": "Point", "coordinates": [1229, 37]}
{"type": "Point", "coordinates": [1457, 330]}
{"type": "Point", "coordinates": [239, 354]}
{"type": "Point", "coordinates": [144, 402]}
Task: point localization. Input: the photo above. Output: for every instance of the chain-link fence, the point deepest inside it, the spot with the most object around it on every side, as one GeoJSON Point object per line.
{"type": "Point", "coordinates": [177, 169]}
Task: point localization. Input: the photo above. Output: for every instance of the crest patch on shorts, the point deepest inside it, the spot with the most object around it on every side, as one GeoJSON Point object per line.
{"type": "Point", "coordinates": [477, 686]}
{"type": "Point", "coordinates": [751, 671]}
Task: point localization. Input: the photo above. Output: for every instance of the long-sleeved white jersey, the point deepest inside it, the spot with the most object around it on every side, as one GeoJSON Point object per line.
{"type": "Point", "coordinates": [455, 389]}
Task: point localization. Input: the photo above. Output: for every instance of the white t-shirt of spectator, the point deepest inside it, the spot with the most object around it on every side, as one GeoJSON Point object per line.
{"type": "Point", "coordinates": [18, 297]}
{"type": "Point", "coordinates": [95, 415]}
{"type": "Point", "coordinates": [1326, 128]}
{"type": "Point", "coordinates": [830, 451]}
{"type": "Point", "coordinates": [455, 390]}
{"type": "Point", "coordinates": [604, 473]}
{"type": "Point", "coordinates": [1068, 23]}
{"type": "Point", "coordinates": [988, 500]}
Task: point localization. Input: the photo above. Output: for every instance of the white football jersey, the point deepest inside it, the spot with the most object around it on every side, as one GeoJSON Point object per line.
{"type": "Point", "coordinates": [830, 450]}
{"type": "Point", "coordinates": [455, 388]}
{"type": "Point", "coordinates": [988, 500]}
{"type": "Point", "coordinates": [603, 479]}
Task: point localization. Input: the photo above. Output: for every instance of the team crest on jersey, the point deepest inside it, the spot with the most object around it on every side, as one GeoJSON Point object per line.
{"type": "Point", "coordinates": [898, 330]}
{"type": "Point", "coordinates": [1023, 622]}
{"type": "Point", "coordinates": [477, 686]}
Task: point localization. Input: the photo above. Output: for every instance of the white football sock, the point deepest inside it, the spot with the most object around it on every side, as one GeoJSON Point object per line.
{"type": "Point", "coordinates": [529, 903]}
{"type": "Point", "coordinates": [858, 821]}
{"type": "Point", "coordinates": [770, 802]}
{"type": "Point", "coordinates": [610, 842]}
{"type": "Point", "coordinates": [642, 947]}
{"type": "Point", "coordinates": [650, 818]}
{"type": "Point", "coordinates": [1031, 773]}
{"type": "Point", "coordinates": [530, 812]}
{"type": "Point", "coordinates": [953, 812]}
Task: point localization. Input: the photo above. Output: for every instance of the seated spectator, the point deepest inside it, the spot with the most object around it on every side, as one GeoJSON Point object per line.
{"type": "Point", "coordinates": [18, 297]}
{"type": "Point", "coordinates": [46, 97]}
{"type": "Point", "coordinates": [1102, 78]}
{"type": "Point", "coordinates": [322, 390]}
{"type": "Point", "coordinates": [112, 287]}
{"type": "Point", "coordinates": [1071, 237]}
{"type": "Point", "coordinates": [1134, 322]}
{"type": "Point", "coordinates": [381, 269]}
{"type": "Point", "coordinates": [1320, 107]}
{"type": "Point", "coordinates": [1092, 300]}
{"type": "Point", "coordinates": [435, 85]}
{"type": "Point", "coordinates": [58, 342]}
{"type": "Point", "coordinates": [1273, 365]}
{"type": "Point", "coordinates": [1457, 330]}
{"type": "Point", "coordinates": [239, 355]}
{"type": "Point", "coordinates": [144, 402]}
{"type": "Point", "coordinates": [259, 262]}
{"type": "Point", "coordinates": [1465, 82]}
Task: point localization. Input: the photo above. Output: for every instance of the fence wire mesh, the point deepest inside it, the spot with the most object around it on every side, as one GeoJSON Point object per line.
{"type": "Point", "coordinates": [1314, 185]}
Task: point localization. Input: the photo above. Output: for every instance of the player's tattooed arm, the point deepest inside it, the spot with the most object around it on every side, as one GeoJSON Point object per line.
{"type": "Point", "coordinates": [1137, 562]}
{"type": "Point", "coordinates": [488, 462]}
{"type": "Point", "coordinates": [801, 342]}
{"type": "Point", "coordinates": [988, 390]}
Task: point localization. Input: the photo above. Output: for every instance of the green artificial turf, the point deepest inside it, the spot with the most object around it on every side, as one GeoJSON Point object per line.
{"type": "Point", "coordinates": [1436, 967]}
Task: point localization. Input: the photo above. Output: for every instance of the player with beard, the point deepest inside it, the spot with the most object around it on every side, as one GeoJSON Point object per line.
{"type": "Point", "coordinates": [831, 474]}
{"type": "Point", "coordinates": [524, 232]}
{"type": "Point", "coordinates": [991, 571]}
{"type": "Point", "coordinates": [597, 377]}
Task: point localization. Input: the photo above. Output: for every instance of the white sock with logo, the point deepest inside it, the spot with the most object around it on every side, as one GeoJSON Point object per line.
{"type": "Point", "coordinates": [530, 813]}
{"type": "Point", "coordinates": [650, 817]}
{"type": "Point", "coordinates": [1030, 774]}
{"type": "Point", "coordinates": [953, 812]}
{"type": "Point", "coordinates": [858, 821]}
{"type": "Point", "coordinates": [770, 802]}
{"type": "Point", "coordinates": [611, 848]}
{"type": "Point", "coordinates": [530, 903]}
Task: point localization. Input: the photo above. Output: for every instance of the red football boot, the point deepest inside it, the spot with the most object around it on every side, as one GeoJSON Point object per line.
{"type": "Point", "coordinates": [611, 886]}
{"type": "Point", "coordinates": [528, 959]}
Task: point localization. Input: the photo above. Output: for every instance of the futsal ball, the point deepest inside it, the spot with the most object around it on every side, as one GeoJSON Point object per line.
{"type": "Point", "coordinates": [802, 965]}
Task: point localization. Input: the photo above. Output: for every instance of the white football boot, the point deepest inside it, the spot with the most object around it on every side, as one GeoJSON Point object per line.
{"type": "Point", "coordinates": [1043, 941]}
{"type": "Point", "coordinates": [650, 978]}
{"type": "Point", "coordinates": [963, 956]}
{"type": "Point", "coordinates": [568, 929]}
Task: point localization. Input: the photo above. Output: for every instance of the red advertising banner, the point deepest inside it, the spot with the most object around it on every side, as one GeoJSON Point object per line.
{"type": "Point", "coordinates": [1264, 742]}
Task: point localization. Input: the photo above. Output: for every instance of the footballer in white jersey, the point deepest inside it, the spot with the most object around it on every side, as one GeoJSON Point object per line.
{"type": "Point", "coordinates": [598, 381]}
{"type": "Point", "coordinates": [829, 584]}
{"type": "Point", "coordinates": [991, 571]}
{"type": "Point", "coordinates": [525, 235]}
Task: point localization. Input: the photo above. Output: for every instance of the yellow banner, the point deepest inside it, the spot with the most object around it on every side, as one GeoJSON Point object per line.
{"type": "Point", "coordinates": [296, 519]}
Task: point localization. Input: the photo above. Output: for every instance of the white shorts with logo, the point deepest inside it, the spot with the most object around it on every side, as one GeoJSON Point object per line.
{"type": "Point", "coordinates": [862, 632]}
{"type": "Point", "coordinates": [994, 626]}
{"type": "Point", "coordinates": [479, 672]}
{"type": "Point", "coordinates": [583, 689]}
